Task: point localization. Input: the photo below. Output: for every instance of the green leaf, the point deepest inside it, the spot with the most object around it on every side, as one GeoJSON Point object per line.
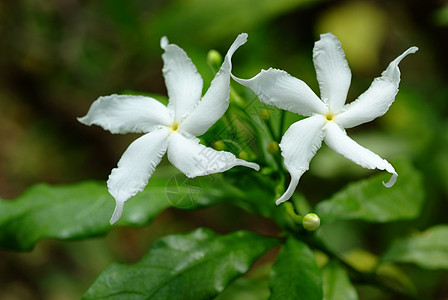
{"type": "Point", "coordinates": [337, 285]}
{"type": "Point", "coordinates": [198, 265]}
{"type": "Point", "coordinates": [246, 289]}
{"type": "Point", "coordinates": [83, 210]}
{"type": "Point", "coordinates": [428, 249]}
{"type": "Point", "coordinates": [369, 200]}
{"type": "Point", "coordinates": [295, 274]}
{"type": "Point", "coordinates": [253, 286]}
{"type": "Point", "coordinates": [63, 212]}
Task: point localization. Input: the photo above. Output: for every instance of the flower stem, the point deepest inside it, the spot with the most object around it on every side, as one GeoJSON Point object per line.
{"type": "Point", "coordinates": [270, 130]}
{"type": "Point", "coordinates": [282, 125]}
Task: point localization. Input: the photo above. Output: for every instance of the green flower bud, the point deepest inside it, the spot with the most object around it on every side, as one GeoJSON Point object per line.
{"type": "Point", "coordinates": [219, 145]}
{"type": "Point", "coordinates": [265, 114]}
{"type": "Point", "coordinates": [311, 222]}
{"type": "Point", "coordinates": [243, 155]}
{"type": "Point", "coordinates": [214, 59]}
{"type": "Point", "coordinates": [272, 148]}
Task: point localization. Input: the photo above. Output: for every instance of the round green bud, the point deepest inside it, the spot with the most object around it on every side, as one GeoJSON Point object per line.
{"type": "Point", "coordinates": [311, 222]}
{"type": "Point", "coordinates": [219, 145]}
{"type": "Point", "coordinates": [272, 147]}
{"type": "Point", "coordinates": [214, 59]}
{"type": "Point", "coordinates": [243, 155]}
{"type": "Point", "coordinates": [265, 114]}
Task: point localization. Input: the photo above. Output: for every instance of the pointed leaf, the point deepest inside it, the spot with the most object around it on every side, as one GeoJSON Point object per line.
{"type": "Point", "coordinates": [428, 249]}
{"type": "Point", "coordinates": [369, 200]}
{"type": "Point", "coordinates": [198, 265]}
{"type": "Point", "coordinates": [82, 210]}
{"type": "Point", "coordinates": [336, 283]}
{"type": "Point", "coordinates": [295, 274]}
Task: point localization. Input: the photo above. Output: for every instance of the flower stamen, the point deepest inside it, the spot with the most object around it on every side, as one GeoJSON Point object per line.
{"type": "Point", "coordinates": [174, 126]}
{"type": "Point", "coordinates": [329, 116]}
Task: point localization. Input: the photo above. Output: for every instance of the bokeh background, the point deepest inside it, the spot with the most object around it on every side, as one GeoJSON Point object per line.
{"type": "Point", "coordinates": [58, 56]}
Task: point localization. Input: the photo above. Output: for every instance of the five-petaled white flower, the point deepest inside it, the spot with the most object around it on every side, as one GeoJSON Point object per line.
{"type": "Point", "coordinates": [171, 129]}
{"type": "Point", "coordinates": [329, 116]}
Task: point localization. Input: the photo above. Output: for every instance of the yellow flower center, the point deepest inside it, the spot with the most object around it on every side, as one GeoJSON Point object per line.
{"type": "Point", "coordinates": [174, 126]}
{"type": "Point", "coordinates": [329, 116]}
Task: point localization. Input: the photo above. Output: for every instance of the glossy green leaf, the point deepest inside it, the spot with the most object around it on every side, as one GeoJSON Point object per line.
{"type": "Point", "coordinates": [83, 210]}
{"type": "Point", "coordinates": [254, 286]}
{"type": "Point", "coordinates": [369, 200]}
{"type": "Point", "coordinates": [336, 284]}
{"type": "Point", "coordinates": [295, 274]}
{"type": "Point", "coordinates": [198, 265]}
{"type": "Point", "coordinates": [428, 249]}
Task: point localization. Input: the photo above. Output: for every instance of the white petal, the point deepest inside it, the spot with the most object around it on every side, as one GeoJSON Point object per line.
{"type": "Point", "coordinates": [194, 159]}
{"type": "Point", "coordinates": [183, 82]}
{"type": "Point", "coordinates": [278, 88]}
{"type": "Point", "coordinates": [136, 167]}
{"type": "Point", "coordinates": [299, 145]}
{"type": "Point", "coordinates": [125, 113]}
{"type": "Point", "coordinates": [374, 102]}
{"type": "Point", "coordinates": [338, 140]}
{"type": "Point", "coordinates": [333, 72]}
{"type": "Point", "coordinates": [215, 101]}
{"type": "Point", "coordinates": [291, 189]}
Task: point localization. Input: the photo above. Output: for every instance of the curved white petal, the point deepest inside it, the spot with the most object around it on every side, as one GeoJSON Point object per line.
{"type": "Point", "coordinates": [278, 88]}
{"type": "Point", "coordinates": [340, 142]}
{"type": "Point", "coordinates": [136, 167]}
{"type": "Point", "coordinates": [183, 82]}
{"type": "Point", "coordinates": [333, 72]}
{"type": "Point", "coordinates": [125, 113]}
{"type": "Point", "coordinates": [299, 145]}
{"type": "Point", "coordinates": [194, 159]}
{"type": "Point", "coordinates": [291, 188]}
{"type": "Point", "coordinates": [215, 101]}
{"type": "Point", "coordinates": [374, 102]}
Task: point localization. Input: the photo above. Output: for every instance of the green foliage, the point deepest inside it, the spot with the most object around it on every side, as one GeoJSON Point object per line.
{"type": "Point", "coordinates": [83, 210]}
{"type": "Point", "coordinates": [64, 212]}
{"type": "Point", "coordinates": [369, 200]}
{"type": "Point", "coordinates": [295, 274]}
{"type": "Point", "coordinates": [58, 56]}
{"type": "Point", "coordinates": [253, 286]}
{"type": "Point", "coordinates": [198, 265]}
{"type": "Point", "coordinates": [336, 283]}
{"type": "Point", "coordinates": [428, 249]}
{"type": "Point", "coordinates": [257, 196]}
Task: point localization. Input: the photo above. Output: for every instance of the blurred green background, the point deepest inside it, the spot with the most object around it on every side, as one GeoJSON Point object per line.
{"type": "Point", "coordinates": [58, 56]}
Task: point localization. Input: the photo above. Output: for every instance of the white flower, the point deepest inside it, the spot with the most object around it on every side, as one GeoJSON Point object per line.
{"type": "Point", "coordinates": [171, 129]}
{"type": "Point", "coordinates": [328, 116]}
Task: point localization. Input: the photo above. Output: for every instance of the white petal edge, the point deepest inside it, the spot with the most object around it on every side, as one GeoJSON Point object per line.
{"type": "Point", "coordinates": [215, 101]}
{"type": "Point", "coordinates": [290, 190]}
{"type": "Point", "coordinates": [332, 70]}
{"type": "Point", "coordinates": [126, 113]}
{"type": "Point", "coordinates": [135, 167]}
{"type": "Point", "coordinates": [278, 88]}
{"type": "Point", "coordinates": [194, 159]}
{"type": "Point", "coordinates": [182, 79]}
{"type": "Point", "coordinates": [377, 99]}
{"type": "Point", "coordinates": [340, 142]}
{"type": "Point", "coordinates": [299, 145]}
